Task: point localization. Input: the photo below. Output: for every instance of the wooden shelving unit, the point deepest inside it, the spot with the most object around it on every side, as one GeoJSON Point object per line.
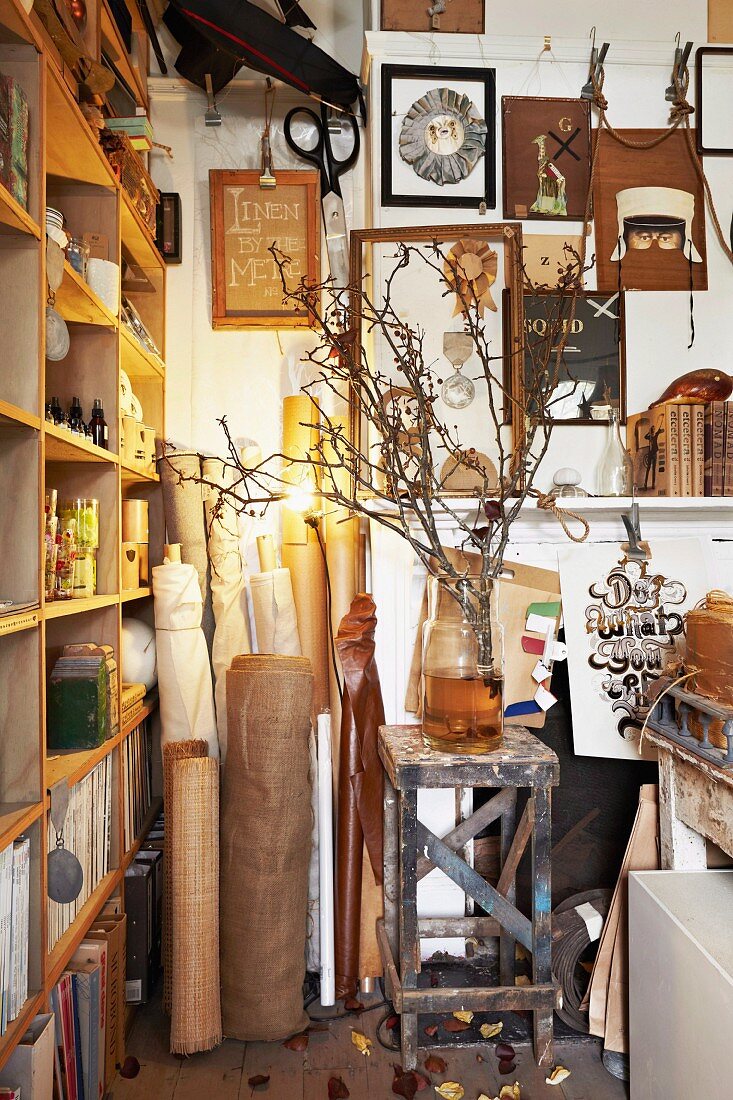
{"type": "Point", "coordinates": [67, 170]}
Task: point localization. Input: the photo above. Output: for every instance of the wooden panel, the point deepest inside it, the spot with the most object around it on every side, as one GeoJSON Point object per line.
{"type": "Point", "coordinates": [72, 151]}
{"type": "Point", "coordinates": [20, 518]}
{"type": "Point", "coordinates": [720, 21]}
{"type": "Point", "coordinates": [77, 302]}
{"type": "Point", "coordinates": [20, 329]}
{"type": "Point", "coordinates": [100, 481]}
{"type": "Point", "coordinates": [22, 62]}
{"type": "Point", "coordinates": [20, 772]}
{"type": "Point", "coordinates": [62, 446]}
{"type": "Point", "coordinates": [89, 371]}
{"type": "Point", "coordinates": [459, 17]}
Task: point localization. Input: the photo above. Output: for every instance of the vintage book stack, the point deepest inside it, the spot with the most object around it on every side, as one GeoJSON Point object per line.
{"type": "Point", "coordinates": [89, 1009]}
{"type": "Point", "coordinates": [14, 895]}
{"type": "Point", "coordinates": [137, 765]}
{"type": "Point", "coordinates": [87, 834]}
{"type": "Point", "coordinates": [681, 450]}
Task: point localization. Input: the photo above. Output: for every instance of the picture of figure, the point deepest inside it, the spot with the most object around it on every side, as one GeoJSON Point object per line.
{"type": "Point", "coordinates": [551, 198]}
{"type": "Point", "coordinates": [655, 218]}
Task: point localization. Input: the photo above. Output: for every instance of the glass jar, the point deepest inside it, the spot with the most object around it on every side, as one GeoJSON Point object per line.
{"type": "Point", "coordinates": [463, 668]}
{"type": "Point", "coordinates": [616, 470]}
{"type": "Point", "coordinates": [77, 253]}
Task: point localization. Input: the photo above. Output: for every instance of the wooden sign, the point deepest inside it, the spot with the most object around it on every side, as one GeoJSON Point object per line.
{"type": "Point", "coordinates": [246, 220]}
{"type": "Point", "coordinates": [459, 16]}
{"type": "Point", "coordinates": [546, 154]}
{"type": "Point", "coordinates": [546, 255]}
{"type": "Point", "coordinates": [649, 209]}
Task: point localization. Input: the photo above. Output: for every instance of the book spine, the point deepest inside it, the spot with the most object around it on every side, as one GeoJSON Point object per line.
{"type": "Point", "coordinates": [728, 457]}
{"type": "Point", "coordinates": [685, 433]}
{"type": "Point", "coordinates": [672, 420]}
{"type": "Point", "coordinates": [698, 450]}
{"type": "Point", "coordinates": [708, 471]}
{"type": "Point", "coordinates": [718, 447]}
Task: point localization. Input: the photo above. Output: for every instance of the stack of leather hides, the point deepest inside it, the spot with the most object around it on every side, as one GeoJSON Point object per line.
{"type": "Point", "coordinates": [710, 656]}
{"type": "Point", "coordinates": [360, 795]}
{"type": "Point", "coordinates": [265, 842]}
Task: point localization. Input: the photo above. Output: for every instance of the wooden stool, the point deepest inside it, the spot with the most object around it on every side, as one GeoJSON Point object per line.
{"type": "Point", "coordinates": [522, 761]}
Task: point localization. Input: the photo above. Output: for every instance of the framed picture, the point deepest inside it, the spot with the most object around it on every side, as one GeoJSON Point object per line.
{"type": "Point", "coordinates": [546, 255]}
{"type": "Point", "coordinates": [713, 86]}
{"type": "Point", "coordinates": [592, 377]}
{"type": "Point", "coordinates": [649, 215]}
{"type": "Point", "coordinates": [546, 156]}
{"type": "Point", "coordinates": [438, 137]}
{"type": "Point", "coordinates": [245, 222]}
{"type": "Point", "coordinates": [489, 256]}
{"type": "Point", "coordinates": [459, 16]}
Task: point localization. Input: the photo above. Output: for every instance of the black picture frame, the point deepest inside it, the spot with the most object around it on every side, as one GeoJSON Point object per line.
{"type": "Point", "coordinates": [700, 54]}
{"type": "Point", "coordinates": [439, 75]}
{"type": "Point", "coordinates": [601, 318]}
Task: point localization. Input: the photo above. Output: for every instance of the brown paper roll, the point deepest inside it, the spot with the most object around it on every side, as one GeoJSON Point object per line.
{"type": "Point", "coordinates": [135, 527]}
{"type": "Point", "coordinates": [341, 531]}
{"type": "Point", "coordinates": [301, 553]}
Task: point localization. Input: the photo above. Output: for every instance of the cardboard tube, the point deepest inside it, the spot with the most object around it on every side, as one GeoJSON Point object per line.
{"type": "Point", "coordinates": [266, 553]}
{"type": "Point", "coordinates": [172, 551]}
{"type": "Point", "coordinates": [301, 553]}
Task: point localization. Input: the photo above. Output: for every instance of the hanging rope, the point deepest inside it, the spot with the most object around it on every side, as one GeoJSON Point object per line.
{"type": "Point", "coordinates": [548, 501]}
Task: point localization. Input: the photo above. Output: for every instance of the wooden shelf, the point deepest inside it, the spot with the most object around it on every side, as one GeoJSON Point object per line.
{"type": "Point", "coordinates": [62, 446]}
{"type": "Point", "coordinates": [19, 620]}
{"type": "Point", "coordinates": [123, 61]}
{"type": "Point", "coordinates": [147, 824]}
{"type": "Point", "coordinates": [15, 25]}
{"type": "Point", "coordinates": [135, 594]}
{"type": "Point", "coordinates": [131, 474]}
{"type": "Point", "coordinates": [12, 414]}
{"type": "Point", "coordinates": [72, 151]}
{"type": "Point", "coordinates": [137, 362]}
{"type": "Point", "coordinates": [19, 1026]}
{"type": "Point", "coordinates": [60, 608]}
{"type": "Point", "coordinates": [137, 239]}
{"type": "Point", "coordinates": [72, 765]}
{"type": "Point", "coordinates": [77, 302]}
{"type": "Point", "coordinates": [14, 218]}
{"type": "Point", "coordinates": [150, 703]}
{"type": "Point", "coordinates": [75, 933]}
{"type": "Point", "coordinates": [15, 818]}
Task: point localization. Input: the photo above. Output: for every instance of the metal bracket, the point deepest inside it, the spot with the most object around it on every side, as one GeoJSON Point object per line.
{"type": "Point", "coordinates": [681, 57]}
{"type": "Point", "coordinates": [597, 57]}
{"type": "Point", "coordinates": [211, 116]}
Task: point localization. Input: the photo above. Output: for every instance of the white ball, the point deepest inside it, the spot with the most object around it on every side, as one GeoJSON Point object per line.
{"type": "Point", "coordinates": [138, 653]}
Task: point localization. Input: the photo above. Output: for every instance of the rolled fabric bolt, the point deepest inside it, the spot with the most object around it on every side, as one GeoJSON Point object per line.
{"type": "Point", "coordinates": [266, 553]}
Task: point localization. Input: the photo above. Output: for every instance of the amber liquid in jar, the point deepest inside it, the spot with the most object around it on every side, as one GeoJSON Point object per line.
{"type": "Point", "coordinates": [462, 715]}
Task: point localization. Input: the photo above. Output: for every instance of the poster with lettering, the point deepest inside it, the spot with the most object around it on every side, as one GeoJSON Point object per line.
{"type": "Point", "coordinates": [623, 620]}
{"type": "Point", "coordinates": [246, 221]}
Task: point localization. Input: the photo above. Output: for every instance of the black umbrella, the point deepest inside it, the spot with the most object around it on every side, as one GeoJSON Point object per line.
{"type": "Point", "coordinates": [252, 37]}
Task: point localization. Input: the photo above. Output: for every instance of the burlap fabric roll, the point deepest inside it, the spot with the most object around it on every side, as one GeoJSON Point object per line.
{"type": "Point", "coordinates": [176, 750]}
{"type": "Point", "coordinates": [265, 846]}
{"type": "Point", "coordinates": [194, 869]}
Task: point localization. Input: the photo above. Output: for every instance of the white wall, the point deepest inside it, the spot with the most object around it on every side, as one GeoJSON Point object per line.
{"type": "Point", "coordinates": [244, 375]}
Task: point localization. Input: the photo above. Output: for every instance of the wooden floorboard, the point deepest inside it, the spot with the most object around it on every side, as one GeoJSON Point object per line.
{"type": "Point", "coordinates": [224, 1074]}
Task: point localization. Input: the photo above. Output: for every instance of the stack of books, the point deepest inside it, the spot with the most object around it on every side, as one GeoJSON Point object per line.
{"type": "Point", "coordinates": [87, 835]}
{"type": "Point", "coordinates": [89, 1009]}
{"type": "Point", "coordinates": [138, 780]}
{"type": "Point", "coordinates": [14, 906]}
{"type": "Point", "coordinates": [682, 450]}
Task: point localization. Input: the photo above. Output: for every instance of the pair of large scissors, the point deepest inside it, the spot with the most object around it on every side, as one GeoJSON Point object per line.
{"type": "Point", "coordinates": [330, 168]}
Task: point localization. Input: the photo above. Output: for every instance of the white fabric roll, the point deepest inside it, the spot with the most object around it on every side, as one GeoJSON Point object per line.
{"type": "Point", "coordinates": [184, 673]}
{"type": "Point", "coordinates": [276, 621]}
{"type": "Point", "coordinates": [228, 594]}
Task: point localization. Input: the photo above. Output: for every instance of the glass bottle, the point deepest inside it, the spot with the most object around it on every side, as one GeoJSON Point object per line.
{"type": "Point", "coordinates": [463, 668]}
{"type": "Point", "coordinates": [98, 425]}
{"type": "Point", "coordinates": [76, 417]}
{"type": "Point", "coordinates": [57, 413]}
{"type": "Point", "coordinates": [615, 471]}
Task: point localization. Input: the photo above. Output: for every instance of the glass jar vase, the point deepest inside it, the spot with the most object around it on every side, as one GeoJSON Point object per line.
{"type": "Point", "coordinates": [463, 668]}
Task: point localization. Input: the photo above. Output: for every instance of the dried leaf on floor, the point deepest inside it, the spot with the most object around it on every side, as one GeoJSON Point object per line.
{"type": "Point", "coordinates": [466, 1017]}
{"type": "Point", "coordinates": [510, 1092]}
{"type": "Point", "coordinates": [407, 1083]}
{"type": "Point", "coordinates": [450, 1090]}
{"type": "Point", "coordinates": [507, 1065]}
{"type": "Point", "coordinates": [130, 1067]}
{"type": "Point", "coordinates": [431, 1030]}
{"type": "Point", "coordinates": [352, 1005]}
{"type": "Point", "coordinates": [258, 1081]}
{"type": "Point", "coordinates": [392, 1021]}
{"type": "Point", "coordinates": [297, 1042]}
{"type": "Point", "coordinates": [558, 1075]}
{"type": "Point", "coordinates": [455, 1025]}
{"type": "Point", "coordinates": [360, 1041]}
{"type": "Point", "coordinates": [504, 1051]}
{"type": "Point", "coordinates": [435, 1064]}
{"type": "Point", "coordinates": [337, 1090]}
{"type": "Point", "coordinates": [490, 1031]}
{"type": "Point", "coordinates": [522, 979]}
